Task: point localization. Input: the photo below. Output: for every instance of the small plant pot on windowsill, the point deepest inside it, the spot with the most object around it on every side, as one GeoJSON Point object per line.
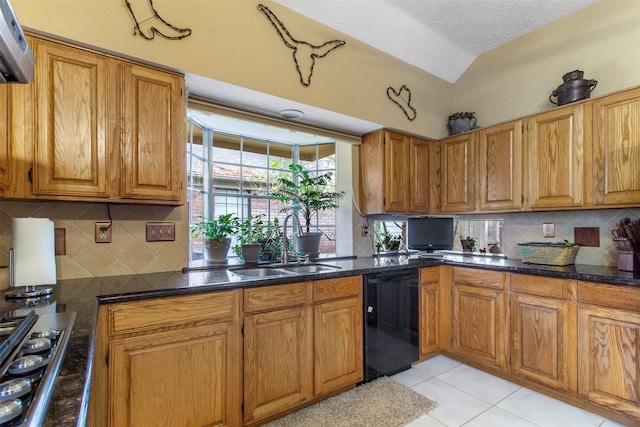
{"type": "Point", "coordinates": [216, 250]}
{"type": "Point", "coordinates": [309, 243]}
{"type": "Point", "coordinates": [468, 245]}
{"type": "Point", "coordinates": [251, 253]}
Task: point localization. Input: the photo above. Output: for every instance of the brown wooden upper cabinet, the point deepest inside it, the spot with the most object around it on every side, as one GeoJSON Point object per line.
{"type": "Point", "coordinates": [457, 181]}
{"type": "Point", "coordinates": [104, 129]}
{"type": "Point", "coordinates": [558, 142]}
{"type": "Point", "coordinates": [616, 149]}
{"type": "Point", "coordinates": [395, 173]}
{"type": "Point", "coordinates": [500, 174]}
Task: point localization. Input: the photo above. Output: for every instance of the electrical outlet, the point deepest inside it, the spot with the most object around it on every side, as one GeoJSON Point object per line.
{"type": "Point", "coordinates": [161, 231]}
{"type": "Point", "coordinates": [365, 229]}
{"type": "Point", "coordinates": [549, 229]}
{"type": "Point", "coordinates": [103, 232]}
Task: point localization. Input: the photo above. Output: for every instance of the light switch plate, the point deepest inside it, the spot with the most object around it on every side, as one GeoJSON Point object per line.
{"type": "Point", "coordinates": [549, 229]}
{"type": "Point", "coordinates": [161, 231]}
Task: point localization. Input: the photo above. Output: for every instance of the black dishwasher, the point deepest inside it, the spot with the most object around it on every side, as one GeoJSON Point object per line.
{"type": "Point", "coordinates": [390, 322]}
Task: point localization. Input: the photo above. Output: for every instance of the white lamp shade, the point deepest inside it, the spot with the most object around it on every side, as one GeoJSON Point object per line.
{"type": "Point", "coordinates": [33, 240]}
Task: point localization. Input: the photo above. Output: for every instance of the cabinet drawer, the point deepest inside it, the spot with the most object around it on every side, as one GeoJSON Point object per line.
{"type": "Point", "coordinates": [481, 278]}
{"type": "Point", "coordinates": [622, 297]}
{"type": "Point", "coordinates": [162, 312]}
{"type": "Point", "coordinates": [327, 289]}
{"type": "Point", "coordinates": [430, 275]}
{"type": "Point", "coordinates": [278, 296]}
{"type": "Point", "coordinates": [538, 285]}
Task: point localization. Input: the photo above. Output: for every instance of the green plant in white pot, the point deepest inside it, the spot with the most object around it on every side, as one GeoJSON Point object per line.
{"type": "Point", "coordinates": [308, 195]}
{"type": "Point", "coordinates": [216, 235]}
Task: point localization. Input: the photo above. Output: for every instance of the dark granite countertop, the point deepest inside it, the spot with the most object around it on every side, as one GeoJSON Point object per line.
{"type": "Point", "coordinates": [70, 399]}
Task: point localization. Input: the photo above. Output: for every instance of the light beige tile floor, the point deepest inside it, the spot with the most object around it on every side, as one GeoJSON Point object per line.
{"type": "Point", "coordinates": [469, 397]}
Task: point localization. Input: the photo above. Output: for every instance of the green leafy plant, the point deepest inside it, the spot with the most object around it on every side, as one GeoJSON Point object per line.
{"type": "Point", "coordinates": [220, 228]}
{"type": "Point", "coordinates": [468, 243]}
{"type": "Point", "coordinates": [251, 231]}
{"type": "Point", "coordinates": [272, 244]}
{"type": "Point", "coordinates": [385, 240]}
{"type": "Point", "coordinates": [308, 195]}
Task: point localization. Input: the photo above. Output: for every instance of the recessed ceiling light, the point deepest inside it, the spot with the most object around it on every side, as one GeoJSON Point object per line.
{"type": "Point", "coordinates": [291, 114]}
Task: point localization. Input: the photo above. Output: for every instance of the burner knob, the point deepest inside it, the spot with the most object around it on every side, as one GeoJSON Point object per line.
{"type": "Point", "coordinates": [26, 364]}
{"type": "Point", "coordinates": [37, 345]}
{"type": "Point", "coordinates": [14, 389]}
{"type": "Point", "coordinates": [9, 410]}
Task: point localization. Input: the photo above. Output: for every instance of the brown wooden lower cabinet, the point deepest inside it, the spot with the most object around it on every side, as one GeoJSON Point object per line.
{"type": "Point", "coordinates": [168, 362]}
{"type": "Point", "coordinates": [543, 330]}
{"type": "Point", "coordinates": [178, 361]}
{"type": "Point", "coordinates": [609, 347]}
{"type": "Point", "coordinates": [338, 338]}
{"type": "Point", "coordinates": [479, 316]}
{"type": "Point", "coordinates": [278, 361]}
{"type": "Point", "coordinates": [430, 314]}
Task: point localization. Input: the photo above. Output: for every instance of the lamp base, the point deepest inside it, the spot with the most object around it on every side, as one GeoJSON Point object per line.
{"type": "Point", "coordinates": [28, 292]}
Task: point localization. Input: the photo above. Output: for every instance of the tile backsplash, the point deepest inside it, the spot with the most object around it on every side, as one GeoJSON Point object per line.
{"type": "Point", "coordinates": [129, 252]}
{"type": "Point", "coordinates": [527, 227]}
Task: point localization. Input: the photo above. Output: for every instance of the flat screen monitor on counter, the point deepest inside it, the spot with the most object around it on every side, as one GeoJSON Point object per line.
{"type": "Point", "coordinates": [430, 233]}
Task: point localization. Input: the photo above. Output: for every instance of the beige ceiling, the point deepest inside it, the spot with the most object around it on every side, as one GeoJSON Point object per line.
{"type": "Point", "coordinates": [442, 37]}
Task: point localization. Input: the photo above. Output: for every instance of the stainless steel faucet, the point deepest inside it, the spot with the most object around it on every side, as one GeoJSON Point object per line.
{"type": "Point", "coordinates": [296, 225]}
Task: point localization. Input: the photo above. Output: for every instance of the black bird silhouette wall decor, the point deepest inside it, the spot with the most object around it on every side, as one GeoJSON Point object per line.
{"type": "Point", "coordinates": [304, 53]}
{"type": "Point", "coordinates": [402, 98]}
{"type": "Point", "coordinates": [140, 8]}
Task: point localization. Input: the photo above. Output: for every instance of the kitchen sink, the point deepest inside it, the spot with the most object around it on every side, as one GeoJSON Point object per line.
{"type": "Point", "coordinates": [261, 272]}
{"type": "Point", "coordinates": [308, 268]}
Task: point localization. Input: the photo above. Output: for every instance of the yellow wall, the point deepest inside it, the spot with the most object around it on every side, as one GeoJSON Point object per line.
{"type": "Point", "coordinates": [233, 42]}
{"type": "Point", "coordinates": [516, 79]}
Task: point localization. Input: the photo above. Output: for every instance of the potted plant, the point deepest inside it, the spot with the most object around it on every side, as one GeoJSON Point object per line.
{"type": "Point", "coordinates": [468, 244]}
{"type": "Point", "coordinates": [251, 234]}
{"type": "Point", "coordinates": [216, 236]}
{"type": "Point", "coordinates": [271, 245]}
{"type": "Point", "coordinates": [308, 195]}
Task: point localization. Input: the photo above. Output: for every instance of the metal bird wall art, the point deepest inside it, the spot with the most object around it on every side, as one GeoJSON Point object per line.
{"type": "Point", "coordinates": [304, 53]}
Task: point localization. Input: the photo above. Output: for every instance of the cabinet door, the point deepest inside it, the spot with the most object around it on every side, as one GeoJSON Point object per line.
{"type": "Point", "coordinates": [500, 167]}
{"type": "Point", "coordinates": [616, 149]}
{"type": "Point", "coordinates": [72, 119]}
{"type": "Point", "coordinates": [424, 172]}
{"type": "Point", "coordinates": [479, 324]}
{"type": "Point", "coordinates": [557, 143]}
{"type": "Point", "coordinates": [609, 358]}
{"type": "Point", "coordinates": [188, 377]}
{"type": "Point", "coordinates": [458, 172]}
{"type": "Point", "coordinates": [397, 187]}
{"type": "Point", "coordinates": [539, 346]}
{"type": "Point", "coordinates": [153, 135]}
{"type": "Point", "coordinates": [278, 361]}
{"type": "Point", "coordinates": [338, 345]}
{"type": "Point", "coordinates": [429, 314]}
{"type": "Point", "coordinates": [5, 152]}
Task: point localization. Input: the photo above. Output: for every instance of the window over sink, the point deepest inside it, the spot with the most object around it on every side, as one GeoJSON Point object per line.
{"type": "Point", "coordinates": [233, 164]}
